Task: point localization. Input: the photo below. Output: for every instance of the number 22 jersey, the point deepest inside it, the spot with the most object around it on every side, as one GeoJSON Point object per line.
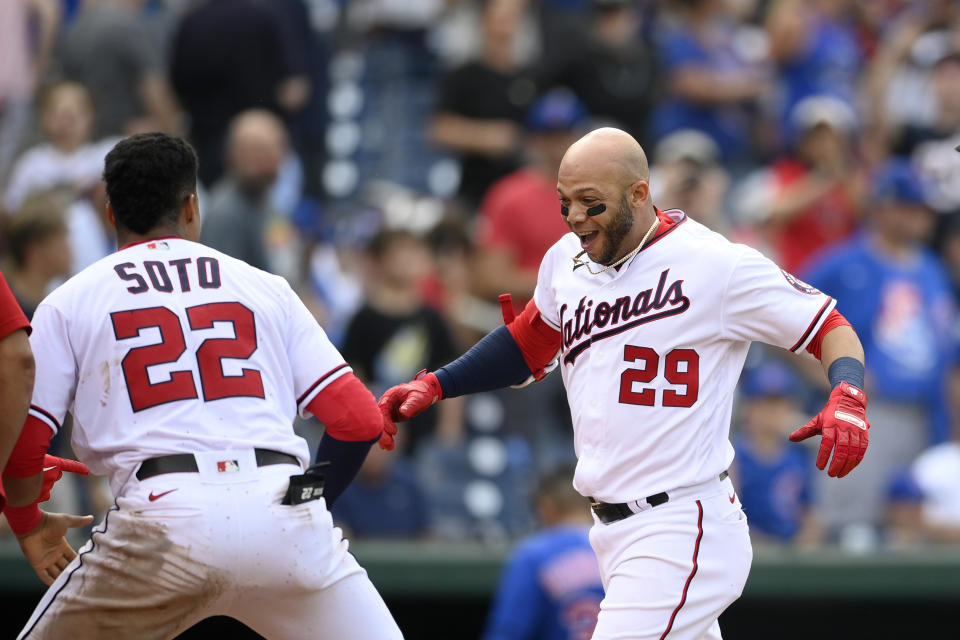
{"type": "Point", "coordinates": [651, 353]}
{"type": "Point", "coordinates": [168, 346]}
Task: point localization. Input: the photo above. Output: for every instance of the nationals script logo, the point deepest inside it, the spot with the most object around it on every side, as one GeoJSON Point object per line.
{"type": "Point", "coordinates": [620, 315]}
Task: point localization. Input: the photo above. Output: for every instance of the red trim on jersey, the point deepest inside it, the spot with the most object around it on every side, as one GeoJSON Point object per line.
{"type": "Point", "coordinates": [834, 320]}
{"type": "Point", "coordinates": [813, 323]}
{"type": "Point", "coordinates": [348, 410]}
{"type": "Point", "coordinates": [667, 224]}
{"type": "Point", "coordinates": [693, 572]}
{"type": "Point", "coordinates": [320, 380]}
{"type": "Point", "coordinates": [538, 341]}
{"type": "Point", "coordinates": [26, 459]}
{"type": "Point", "coordinates": [135, 243]}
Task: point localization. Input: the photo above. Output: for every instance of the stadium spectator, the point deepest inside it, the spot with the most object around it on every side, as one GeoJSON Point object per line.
{"type": "Point", "coordinates": [394, 334]}
{"type": "Point", "coordinates": [772, 476]}
{"type": "Point", "coordinates": [520, 215]}
{"type": "Point", "coordinates": [550, 588]}
{"type": "Point", "coordinates": [687, 175]}
{"type": "Point", "coordinates": [229, 56]}
{"type": "Point", "coordinates": [709, 84]}
{"type": "Point", "coordinates": [814, 193]}
{"type": "Point", "coordinates": [23, 63]}
{"type": "Point", "coordinates": [612, 68]}
{"type": "Point", "coordinates": [385, 500]}
{"type": "Point", "coordinates": [67, 159]}
{"type": "Point", "coordinates": [482, 104]}
{"type": "Point", "coordinates": [39, 250]}
{"type": "Point", "coordinates": [896, 294]}
{"type": "Point", "coordinates": [109, 49]}
{"type": "Point", "coordinates": [816, 49]}
{"type": "Point", "coordinates": [240, 219]}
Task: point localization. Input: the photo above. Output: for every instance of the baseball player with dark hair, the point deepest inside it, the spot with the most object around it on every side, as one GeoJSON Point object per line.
{"type": "Point", "coordinates": [648, 315]}
{"type": "Point", "coordinates": [183, 369]}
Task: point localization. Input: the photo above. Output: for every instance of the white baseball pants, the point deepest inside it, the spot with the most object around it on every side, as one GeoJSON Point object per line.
{"type": "Point", "coordinates": [670, 571]}
{"type": "Point", "coordinates": [213, 543]}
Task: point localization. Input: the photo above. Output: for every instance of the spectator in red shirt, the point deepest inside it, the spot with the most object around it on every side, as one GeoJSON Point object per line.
{"type": "Point", "coordinates": [816, 190]}
{"type": "Point", "coordinates": [520, 214]}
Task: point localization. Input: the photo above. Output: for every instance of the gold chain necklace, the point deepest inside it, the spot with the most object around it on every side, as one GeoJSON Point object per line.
{"type": "Point", "coordinates": [577, 261]}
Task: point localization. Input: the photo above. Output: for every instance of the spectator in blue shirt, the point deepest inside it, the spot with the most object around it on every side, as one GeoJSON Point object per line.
{"type": "Point", "coordinates": [773, 477]}
{"type": "Point", "coordinates": [551, 587]}
{"type": "Point", "coordinates": [897, 295]}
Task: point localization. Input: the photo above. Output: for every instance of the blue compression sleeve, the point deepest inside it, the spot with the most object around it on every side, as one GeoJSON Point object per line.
{"type": "Point", "coordinates": [345, 458]}
{"type": "Point", "coordinates": [846, 369]}
{"type": "Point", "coordinates": [493, 363]}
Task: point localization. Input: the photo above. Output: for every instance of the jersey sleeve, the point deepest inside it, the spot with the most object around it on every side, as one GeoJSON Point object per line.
{"type": "Point", "coordinates": [314, 360]}
{"type": "Point", "coordinates": [56, 373]}
{"type": "Point", "coordinates": [544, 295]}
{"type": "Point", "coordinates": [763, 302]}
{"type": "Point", "coordinates": [12, 317]}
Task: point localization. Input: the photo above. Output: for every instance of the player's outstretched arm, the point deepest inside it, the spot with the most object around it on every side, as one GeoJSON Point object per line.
{"type": "Point", "coordinates": [46, 546]}
{"type": "Point", "coordinates": [352, 424]}
{"type": "Point", "coordinates": [842, 424]}
{"type": "Point", "coordinates": [505, 357]}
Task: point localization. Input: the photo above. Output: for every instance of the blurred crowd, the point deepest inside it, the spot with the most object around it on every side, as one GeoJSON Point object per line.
{"type": "Point", "coordinates": [396, 161]}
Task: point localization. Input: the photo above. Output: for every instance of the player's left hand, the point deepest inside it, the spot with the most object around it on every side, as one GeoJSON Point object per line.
{"type": "Point", "coordinates": [53, 468]}
{"type": "Point", "coordinates": [844, 427]}
{"type": "Point", "coordinates": [46, 547]}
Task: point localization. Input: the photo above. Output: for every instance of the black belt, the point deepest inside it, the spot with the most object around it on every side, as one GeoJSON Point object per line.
{"type": "Point", "coordinates": [608, 512]}
{"type": "Point", "coordinates": [187, 463]}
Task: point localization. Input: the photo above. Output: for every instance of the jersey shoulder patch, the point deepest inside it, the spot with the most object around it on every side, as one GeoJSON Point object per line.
{"type": "Point", "coordinates": [799, 284]}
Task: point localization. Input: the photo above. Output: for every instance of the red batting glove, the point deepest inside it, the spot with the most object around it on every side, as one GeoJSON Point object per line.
{"type": "Point", "coordinates": [387, 441]}
{"type": "Point", "coordinates": [843, 424]}
{"type": "Point", "coordinates": [53, 468]}
{"type": "Point", "coordinates": [405, 401]}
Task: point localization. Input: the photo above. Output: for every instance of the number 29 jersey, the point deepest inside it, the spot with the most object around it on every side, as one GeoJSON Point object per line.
{"type": "Point", "coordinates": [168, 346]}
{"type": "Point", "coordinates": [651, 354]}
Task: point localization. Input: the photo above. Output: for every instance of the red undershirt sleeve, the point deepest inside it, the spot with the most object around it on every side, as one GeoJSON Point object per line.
{"type": "Point", "coordinates": [538, 341]}
{"type": "Point", "coordinates": [834, 320]}
{"type": "Point", "coordinates": [348, 410]}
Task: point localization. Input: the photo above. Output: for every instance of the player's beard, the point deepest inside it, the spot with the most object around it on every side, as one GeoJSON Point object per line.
{"type": "Point", "coordinates": [616, 232]}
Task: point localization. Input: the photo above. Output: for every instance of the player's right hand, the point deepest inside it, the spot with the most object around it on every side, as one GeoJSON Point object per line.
{"type": "Point", "coordinates": [53, 468]}
{"type": "Point", "coordinates": [46, 547]}
{"type": "Point", "coordinates": [410, 399]}
{"type": "Point", "coordinates": [844, 429]}
{"type": "Point", "coordinates": [387, 441]}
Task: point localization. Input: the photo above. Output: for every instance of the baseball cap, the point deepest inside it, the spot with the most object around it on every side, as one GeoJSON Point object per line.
{"type": "Point", "coordinates": [687, 144]}
{"type": "Point", "coordinates": [897, 181]}
{"type": "Point", "coordinates": [557, 110]}
{"type": "Point", "coordinates": [770, 378]}
{"type": "Point", "coordinates": [822, 109]}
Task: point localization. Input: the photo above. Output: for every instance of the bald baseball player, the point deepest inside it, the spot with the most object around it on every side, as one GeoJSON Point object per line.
{"type": "Point", "coordinates": [183, 369]}
{"type": "Point", "coordinates": [649, 315]}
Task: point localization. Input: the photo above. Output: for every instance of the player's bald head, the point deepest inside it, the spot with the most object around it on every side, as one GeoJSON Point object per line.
{"type": "Point", "coordinates": [606, 154]}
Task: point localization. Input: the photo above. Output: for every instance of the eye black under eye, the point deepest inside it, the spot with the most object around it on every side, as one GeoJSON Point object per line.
{"type": "Point", "coordinates": [596, 209]}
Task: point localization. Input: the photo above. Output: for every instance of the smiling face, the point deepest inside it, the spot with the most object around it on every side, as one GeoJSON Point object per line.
{"type": "Point", "coordinates": [606, 167]}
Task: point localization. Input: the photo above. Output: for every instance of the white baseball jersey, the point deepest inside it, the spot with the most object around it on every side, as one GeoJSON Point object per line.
{"type": "Point", "coordinates": [144, 346]}
{"type": "Point", "coordinates": [652, 352]}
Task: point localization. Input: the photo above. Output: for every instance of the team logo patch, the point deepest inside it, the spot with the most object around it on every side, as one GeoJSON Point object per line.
{"type": "Point", "coordinates": [159, 244]}
{"type": "Point", "coordinates": [227, 466]}
{"type": "Point", "coordinates": [800, 285]}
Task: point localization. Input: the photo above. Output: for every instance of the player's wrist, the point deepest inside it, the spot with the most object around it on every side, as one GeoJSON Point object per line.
{"type": "Point", "coordinates": [23, 520]}
{"type": "Point", "coordinates": [849, 370]}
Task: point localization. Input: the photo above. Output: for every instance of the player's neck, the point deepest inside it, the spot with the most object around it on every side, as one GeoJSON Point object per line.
{"type": "Point", "coordinates": [126, 237]}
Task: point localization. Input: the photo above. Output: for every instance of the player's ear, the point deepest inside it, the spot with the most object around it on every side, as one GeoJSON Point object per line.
{"type": "Point", "coordinates": [639, 193]}
{"type": "Point", "coordinates": [112, 219]}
